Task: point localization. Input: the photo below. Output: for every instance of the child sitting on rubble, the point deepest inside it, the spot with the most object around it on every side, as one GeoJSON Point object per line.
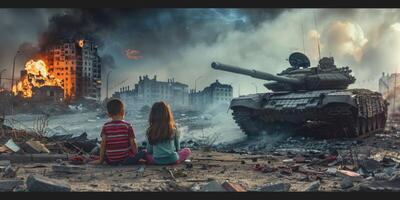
{"type": "Point", "coordinates": [118, 145]}
{"type": "Point", "coordinates": [163, 137]}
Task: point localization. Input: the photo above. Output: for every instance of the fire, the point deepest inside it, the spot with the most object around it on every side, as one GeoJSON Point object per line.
{"type": "Point", "coordinates": [81, 43]}
{"type": "Point", "coordinates": [36, 76]}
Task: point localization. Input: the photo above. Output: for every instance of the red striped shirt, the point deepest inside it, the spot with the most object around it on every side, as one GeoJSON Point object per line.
{"type": "Point", "coordinates": [117, 135]}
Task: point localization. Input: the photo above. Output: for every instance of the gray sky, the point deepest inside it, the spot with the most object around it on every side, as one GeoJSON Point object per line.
{"type": "Point", "coordinates": [182, 43]}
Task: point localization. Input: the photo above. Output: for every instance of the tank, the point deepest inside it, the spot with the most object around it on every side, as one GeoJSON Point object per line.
{"type": "Point", "coordinates": [308, 100]}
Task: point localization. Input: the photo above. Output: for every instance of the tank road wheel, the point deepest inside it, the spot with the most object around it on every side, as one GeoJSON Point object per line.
{"type": "Point", "coordinates": [363, 126]}
{"type": "Point", "coordinates": [248, 122]}
{"type": "Point", "coordinates": [369, 125]}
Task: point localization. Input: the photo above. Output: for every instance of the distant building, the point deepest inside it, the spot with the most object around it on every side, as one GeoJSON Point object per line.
{"type": "Point", "coordinates": [386, 84]}
{"type": "Point", "coordinates": [77, 64]}
{"type": "Point", "coordinates": [216, 94]}
{"type": "Point", "coordinates": [148, 91]}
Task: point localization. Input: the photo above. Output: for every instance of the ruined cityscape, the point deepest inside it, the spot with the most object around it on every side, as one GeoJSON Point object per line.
{"type": "Point", "coordinates": [317, 112]}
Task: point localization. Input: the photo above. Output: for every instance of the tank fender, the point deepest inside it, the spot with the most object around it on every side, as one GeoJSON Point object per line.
{"type": "Point", "coordinates": [252, 101]}
{"type": "Point", "coordinates": [338, 97]}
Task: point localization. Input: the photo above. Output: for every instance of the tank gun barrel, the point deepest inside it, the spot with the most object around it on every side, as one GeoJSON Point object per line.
{"type": "Point", "coordinates": [254, 73]}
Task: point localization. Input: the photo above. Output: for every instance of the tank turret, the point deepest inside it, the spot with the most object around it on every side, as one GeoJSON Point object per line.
{"type": "Point", "coordinates": [300, 76]}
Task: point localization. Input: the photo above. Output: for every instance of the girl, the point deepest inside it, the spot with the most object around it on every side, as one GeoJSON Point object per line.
{"type": "Point", "coordinates": [163, 137]}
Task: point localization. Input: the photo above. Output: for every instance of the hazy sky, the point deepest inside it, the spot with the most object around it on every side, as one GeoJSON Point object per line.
{"type": "Point", "coordinates": [182, 43]}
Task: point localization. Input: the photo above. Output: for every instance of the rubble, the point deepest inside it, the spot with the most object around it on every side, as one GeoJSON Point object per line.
{"type": "Point", "coordinates": [276, 187]}
{"type": "Point", "coordinates": [10, 172]}
{"type": "Point", "coordinates": [70, 169]}
{"type": "Point", "coordinates": [8, 185]}
{"type": "Point", "coordinates": [346, 183]}
{"type": "Point", "coordinates": [312, 187]}
{"type": "Point", "coordinates": [12, 146]}
{"type": "Point", "coordinates": [37, 183]}
{"type": "Point", "coordinates": [33, 146]}
{"type": "Point", "coordinates": [349, 174]}
{"type": "Point", "coordinates": [212, 186]}
{"type": "Point", "coordinates": [232, 187]}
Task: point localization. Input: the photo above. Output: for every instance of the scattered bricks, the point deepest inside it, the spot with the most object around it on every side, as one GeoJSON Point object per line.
{"type": "Point", "coordinates": [33, 146]}
{"type": "Point", "coordinates": [70, 169]}
{"type": "Point", "coordinates": [36, 183]}
{"type": "Point", "coordinates": [232, 187]}
{"type": "Point", "coordinates": [276, 187]}
{"type": "Point", "coordinates": [349, 174]}
{"type": "Point", "coordinates": [346, 183]}
{"type": "Point", "coordinates": [287, 172]}
{"type": "Point", "coordinates": [213, 186]}
{"type": "Point", "coordinates": [9, 185]}
{"type": "Point", "coordinates": [312, 187]}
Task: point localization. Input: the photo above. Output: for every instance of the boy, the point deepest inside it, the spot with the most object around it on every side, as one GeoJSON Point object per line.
{"type": "Point", "coordinates": [118, 145]}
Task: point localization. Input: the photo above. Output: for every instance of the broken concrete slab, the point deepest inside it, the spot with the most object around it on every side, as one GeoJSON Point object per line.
{"type": "Point", "coordinates": [276, 187]}
{"type": "Point", "coordinates": [349, 174]}
{"type": "Point", "coordinates": [311, 187]}
{"type": "Point", "coordinates": [70, 169]}
{"type": "Point", "coordinates": [24, 158]}
{"type": "Point", "coordinates": [12, 146]}
{"type": "Point", "coordinates": [33, 146]}
{"type": "Point", "coordinates": [331, 171]}
{"type": "Point", "coordinates": [10, 172]}
{"type": "Point", "coordinates": [369, 165]}
{"type": "Point", "coordinates": [346, 183]}
{"type": "Point", "coordinates": [8, 185]}
{"type": "Point", "coordinates": [213, 186]}
{"type": "Point", "coordinates": [37, 183]}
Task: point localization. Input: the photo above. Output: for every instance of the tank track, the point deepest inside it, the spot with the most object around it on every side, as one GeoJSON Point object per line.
{"type": "Point", "coordinates": [343, 123]}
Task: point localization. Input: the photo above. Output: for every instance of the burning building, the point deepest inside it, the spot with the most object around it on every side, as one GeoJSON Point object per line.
{"type": "Point", "coordinates": [35, 75]}
{"type": "Point", "coordinates": [77, 64]}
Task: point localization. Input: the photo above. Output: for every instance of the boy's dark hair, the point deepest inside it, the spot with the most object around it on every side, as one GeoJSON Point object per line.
{"type": "Point", "coordinates": [114, 106]}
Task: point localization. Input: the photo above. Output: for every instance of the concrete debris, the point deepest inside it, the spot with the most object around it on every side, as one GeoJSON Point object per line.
{"type": "Point", "coordinates": [213, 186]}
{"type": "Point", "coordinates": [346, 183]}
{"type": "Point", "coordinates": [70, 169]}
{"type": "Point", "coordinates": [12, 146]}
{"type": "Point", "coordinates": [33, 146]}
{"type": "Point", "coordinates": [349, 174]}
{"type": "Point", "coordinates": [312, 187]}
{"type": "Point", "coordinates": [331, 171]}
{"type": "Point", "coordinates": [10, 172]}
{"type": "Point", "coordinates": [369, 165]}
{"type": "Point", "coordinates": [276, 187]}
{"type": "Point", "coordinates": [8, 185]}
{"type": "Point", "coordinates": [37, 183]}
{"type": "Point", "coordinates": [232, 187]}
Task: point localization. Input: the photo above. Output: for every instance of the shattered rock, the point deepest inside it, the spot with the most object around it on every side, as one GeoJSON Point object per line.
{"type": "Point", "coordinates": [312, 187]}
{"type": "Point", "coordinates": [331, 171]}
{"type": "Point", "coordinates": [33, 146]}
{"type": "Point", "coordinates": [212, 186]}
{"type": "Point", "coordinates": [10, 172]}
{"type": "Point", "coordinates": [346, 183]}
{"type": "Point", "coordinates": [369, 165]}
{"type": "Point", "coordinates": [37, 183]}
{"type": "Point", "coordinates": [232, 187]}
{"type": "Point", "coordinates": [9, 185]}
{"type": "Point", "coordinates": [349, 174]}
{"type": "Point", "coordinates": [276, 187]}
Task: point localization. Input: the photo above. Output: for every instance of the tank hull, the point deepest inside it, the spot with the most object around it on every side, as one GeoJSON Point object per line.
{"type": "Point", "coordinates": [352, 112]}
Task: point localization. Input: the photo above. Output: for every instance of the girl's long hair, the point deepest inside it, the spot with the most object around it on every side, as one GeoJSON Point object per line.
{"type": "Point", "coordinates": [161, 123]}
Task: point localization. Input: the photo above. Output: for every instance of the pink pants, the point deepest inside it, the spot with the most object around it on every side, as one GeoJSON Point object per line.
{"type": "Point", "coordinates": [183, 155]}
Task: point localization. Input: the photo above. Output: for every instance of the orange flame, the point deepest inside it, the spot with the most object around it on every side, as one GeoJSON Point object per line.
{"type": "Point", "coordinates": [133, 54]}
{"type": "Point", "coordinates": [81, 43]}
{"type": "Point", "coordinates": [37, 76]}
